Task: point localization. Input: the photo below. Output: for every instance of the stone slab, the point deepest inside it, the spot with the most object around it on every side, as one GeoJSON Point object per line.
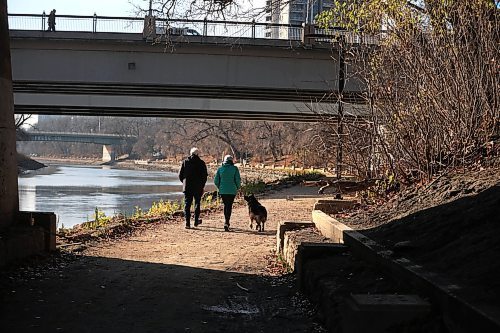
{"type": "Point", "coordinates": [20, 242]}
{"type": "Point", "coordinates": [375, 313]}
{"type": "Point", "coordinates": [284, 226]}
{"type": "Point", "coordinates": [328, 226]}
{"type": "Point", "coordinates": [332, 206]}
{"type": "Point", "coordinates": [388, 302]}
{"type": "Point", "coordinates": [46, 220]}
{"type": "Point", "coordinates": [308, 251]}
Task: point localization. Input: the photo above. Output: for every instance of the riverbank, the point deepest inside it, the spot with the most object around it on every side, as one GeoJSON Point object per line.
{"type": "Point", "coordinates": [247, 173]}
{"type": "Point", "coordinates": [26, 164]}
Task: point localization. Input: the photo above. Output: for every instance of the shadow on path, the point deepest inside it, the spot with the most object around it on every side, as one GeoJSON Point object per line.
{"type": "Point", "coordinates": [96, 294]}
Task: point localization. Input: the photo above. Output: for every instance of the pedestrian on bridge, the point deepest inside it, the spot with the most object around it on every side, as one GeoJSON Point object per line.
{"type": "Point", "coordinates": [228, 181]}
{"type": "Point", "coordinates": [193, 174]}
{"type": "Point", "coordinates": [51, 21]}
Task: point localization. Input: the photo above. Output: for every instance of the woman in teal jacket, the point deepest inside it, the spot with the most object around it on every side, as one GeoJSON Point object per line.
{"type": "Point", "coordinates": [228, 181]}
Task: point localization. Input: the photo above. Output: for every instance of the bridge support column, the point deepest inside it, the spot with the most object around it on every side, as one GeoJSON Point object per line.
{"type": "Point", "coordinates": [108, 153]}
{"type": "Point", "coordinates": [308, 32]}
{"type": "Point", "coordinates": [9, 197]}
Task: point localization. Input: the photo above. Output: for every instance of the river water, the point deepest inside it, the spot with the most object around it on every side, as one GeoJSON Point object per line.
{"type": "Point", "coordinates": [73, 192]}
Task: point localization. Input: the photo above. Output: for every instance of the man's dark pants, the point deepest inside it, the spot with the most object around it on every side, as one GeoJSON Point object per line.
{"type": "Point", "coordinates": [188, 200]}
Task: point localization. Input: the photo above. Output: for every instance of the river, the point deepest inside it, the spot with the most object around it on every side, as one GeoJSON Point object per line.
{"type": "Point", "coordinates": [73, 192]}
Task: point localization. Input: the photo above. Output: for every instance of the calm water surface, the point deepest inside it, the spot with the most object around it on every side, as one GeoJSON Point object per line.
{"type": "Point", "coordinates": [73, 192]}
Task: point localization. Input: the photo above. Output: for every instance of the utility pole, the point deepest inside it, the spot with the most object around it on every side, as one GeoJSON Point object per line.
{"type": "Point", "coordinates": [9, 196]}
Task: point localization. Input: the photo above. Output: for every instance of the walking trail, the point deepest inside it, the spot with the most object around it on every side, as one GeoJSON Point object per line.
{"type": "Point", "coordinates": [169, 279]}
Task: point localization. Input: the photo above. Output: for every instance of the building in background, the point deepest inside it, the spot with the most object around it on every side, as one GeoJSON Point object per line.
{"type": "Point", "coordinates": [293, 12]}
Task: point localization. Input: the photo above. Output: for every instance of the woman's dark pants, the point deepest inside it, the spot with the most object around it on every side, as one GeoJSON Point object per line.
{"type": "Point", "coordinates": [228, 200]}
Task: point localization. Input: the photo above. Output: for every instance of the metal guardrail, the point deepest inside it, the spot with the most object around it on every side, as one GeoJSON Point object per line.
{"type": "Point", "coordinates": [205, 28]}
{"type": "Point", "coordinates": [94, 24]}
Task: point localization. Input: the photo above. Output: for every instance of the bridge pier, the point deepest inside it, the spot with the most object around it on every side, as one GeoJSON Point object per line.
{"type": "Point", "coordinates": [108, 153]}
{"type": "Point", "coordinates": [9, 197]}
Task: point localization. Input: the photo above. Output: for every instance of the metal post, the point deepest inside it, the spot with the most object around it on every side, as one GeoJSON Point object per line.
{"type": "Point", "coordinates": [94, 23]}
{"type": "Point", "coordinates": [205, 27]}
{"type": "Point", "coordinates": [9, 197]}
{"type": "Point", "coordinates": [311, 17]}
{"type": "Point", "coordinates": [253, 28]}
{"type": "Point", "coordinates": [43, 20]}
{"type": "Point", "coordinates": [340, 127]}
{"type": "Point", "coordinates": [308, 4]}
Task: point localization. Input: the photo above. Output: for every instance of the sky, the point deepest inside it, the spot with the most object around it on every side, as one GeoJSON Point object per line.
{"type": "Point", "coordinates": [77, 7]}
{"type": "Point", "coordinates": [125, 8]}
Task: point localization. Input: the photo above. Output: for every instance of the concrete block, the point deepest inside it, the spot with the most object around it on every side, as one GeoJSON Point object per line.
{"type": "Point", "coordinates": [377, 312]}
{"type": "Point", "coordinates": [329, 227]}
{"type": "Point", "coordinates": [311, 251]}
{"type": "Point", "coordinates": [20, 242]}
{"type": "Point", "coordinates": [332, 206]}
{"type": "Point", "coordinates": [46, 220]}
{"type": "Point", "coordinates": [285, 226]}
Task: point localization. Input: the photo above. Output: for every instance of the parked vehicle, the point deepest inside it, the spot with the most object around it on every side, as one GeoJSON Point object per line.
{"type": "Point", "coordinates": [175, 31]}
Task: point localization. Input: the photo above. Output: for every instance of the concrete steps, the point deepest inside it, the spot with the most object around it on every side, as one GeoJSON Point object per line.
{"type": "Point", "coordinates": [362, 287]}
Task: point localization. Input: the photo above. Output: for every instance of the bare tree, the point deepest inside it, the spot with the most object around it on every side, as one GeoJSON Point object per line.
{"type": "Point", "coordinates": [227, 132]}
{"type": "Point", "coordinates": [22, 120]}
{"type": "Point", "coordinates": [200, 9]}
{"type": "Point", "coordinates": [432, 82]}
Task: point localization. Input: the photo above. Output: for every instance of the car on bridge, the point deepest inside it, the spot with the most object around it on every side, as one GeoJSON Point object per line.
{"type": "Point", "coordinates": [175, 31]}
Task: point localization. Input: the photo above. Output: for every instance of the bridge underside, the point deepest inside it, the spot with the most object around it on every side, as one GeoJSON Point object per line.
{"type": "Point", "coordinates": [179, 102]}
{"type": "Point", "coordinates": [124, 75]}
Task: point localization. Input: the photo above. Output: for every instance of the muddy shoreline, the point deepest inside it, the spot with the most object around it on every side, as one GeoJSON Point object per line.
{"type": "Point", "coordinates": [247, 174]}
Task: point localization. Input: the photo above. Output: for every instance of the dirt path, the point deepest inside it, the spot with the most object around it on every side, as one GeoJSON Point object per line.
{"type": "Point", "coordinates": [169, 279]}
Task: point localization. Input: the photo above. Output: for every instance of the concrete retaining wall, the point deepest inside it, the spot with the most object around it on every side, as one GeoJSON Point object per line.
{"type": "Point", "coordinates": [459, 314]}
{"type": "Point", "coordinates": [34, 233]}
{"type": "Point", "coordinates": [329, 227]}
{"type": "Point", "coordinates": [21, 242]}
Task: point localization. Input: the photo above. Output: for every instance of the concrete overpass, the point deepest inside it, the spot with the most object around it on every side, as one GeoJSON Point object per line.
{"type": "Point", "coordinates": [121, 74]}
{"type": "Point", "coordinates": [107, 140]}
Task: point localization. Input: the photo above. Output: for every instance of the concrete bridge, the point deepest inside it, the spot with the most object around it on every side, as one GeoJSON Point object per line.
{"type": "Point", "coordinates": [87, 72]}
{"type": "Point", "coordinates": [107, 140]}
{"type": "Point", "coordinates": [123, 74]}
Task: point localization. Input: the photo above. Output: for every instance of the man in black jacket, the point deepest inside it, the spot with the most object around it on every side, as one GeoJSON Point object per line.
{"type": "Point", "coordinates": [193, 175]}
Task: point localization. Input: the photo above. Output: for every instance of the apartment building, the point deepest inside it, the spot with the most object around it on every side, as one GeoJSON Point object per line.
{"type": "Point", "coordinates": [293, 12]}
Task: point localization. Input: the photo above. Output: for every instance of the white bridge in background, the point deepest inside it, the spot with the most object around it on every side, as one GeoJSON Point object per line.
{"type": "Point", "coordinates": [108, 141]}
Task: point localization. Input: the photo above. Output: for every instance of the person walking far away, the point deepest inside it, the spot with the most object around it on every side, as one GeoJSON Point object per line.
{"type": "Point", "coordinates": [228, 181]}
{"type": "Point", "coordinates": [193, 174]}
{"type": "Point", "coordinates": [51, 21]}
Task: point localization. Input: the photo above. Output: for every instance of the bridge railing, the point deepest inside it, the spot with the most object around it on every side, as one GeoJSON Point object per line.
{"type": "Point", "coordinates": [96, 24]}
{"type": "Point", "coordinates": [206, 28]}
